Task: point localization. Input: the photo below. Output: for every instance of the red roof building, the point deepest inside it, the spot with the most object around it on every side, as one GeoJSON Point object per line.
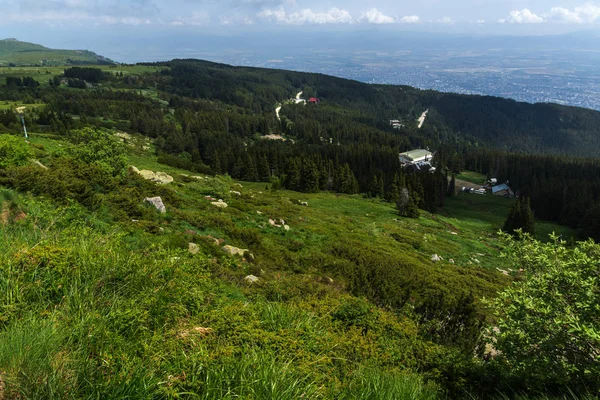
{"type": "Point", "coordinates": [314, 100]}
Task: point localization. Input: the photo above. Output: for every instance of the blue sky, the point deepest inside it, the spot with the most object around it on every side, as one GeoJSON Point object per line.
{"type": "Point", "coordinates": [487, 16]}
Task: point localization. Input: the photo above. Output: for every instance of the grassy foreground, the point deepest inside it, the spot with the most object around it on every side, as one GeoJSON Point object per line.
{"type": "Point", "coordinates": [100, 302]}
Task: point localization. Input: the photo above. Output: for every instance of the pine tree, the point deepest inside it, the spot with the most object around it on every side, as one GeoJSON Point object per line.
{"type": "Point", "coordinates": [452, 186]}
{"type": "Point", "coordinates": [374, 187]}
{"type": "Point", "coordinates": [264, 170]}
{"type": "Point", "coordinates": [294, 175]}
{"type": "Point", "coordinates": [520, 216]}
{"type": "Point", "coordinates": [310, 177]}
{"type": "Point", "coordinates": [527, 221]}
{"type": "Point", "coordinates": [393, 194]}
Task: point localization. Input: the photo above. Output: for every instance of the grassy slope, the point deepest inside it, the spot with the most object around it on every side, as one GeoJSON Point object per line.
{"type": "Point", "coordinates": [23, 53]}
{"type": "Point", "coordinates": [121, 309]}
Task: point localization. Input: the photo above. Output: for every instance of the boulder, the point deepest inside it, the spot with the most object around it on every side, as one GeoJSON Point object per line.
{"type": "Point", "coordinates": [157, 203]}
{"type": "Point", "coordinates": [158, 177]}
{"type": "Point", "coordinates": [220, 204]}
{"type": "Point", "coordinates": [162, 178]}
{"type": "Point", "coordinates": [251, 279]}
{"type": "Point", "coordinates": [436, 258]}
{"type": "Point", "coordinates": [193, 248]}
{"type": "Point", "coordinates": [234, 251]}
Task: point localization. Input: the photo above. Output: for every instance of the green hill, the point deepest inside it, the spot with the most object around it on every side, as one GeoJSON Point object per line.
{"type": "Point", "coordinates": [294, 257]}
{"type": "Point", "coordinates": [16, 53]}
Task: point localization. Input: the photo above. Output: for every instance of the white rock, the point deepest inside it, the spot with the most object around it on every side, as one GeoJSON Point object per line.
{"type": "Point", "coordinates": [451, 261]}
{"type": "Point", "coordinates": [436, 258]}
{"type": "Point", "coordinates": [193, 248]}
{"type": "Point", "coordinates": [235, 192]}
{"type": "Point", "coordinates": [234, 250]}
{"type": "Point", "coordinates": [304, 203]}
{"type": "Point", "coordinates": [157, 203]}
{"type": "Point", "coordinates": [220, 204]}
{"type": "Point", "coordinates": [286, 227]}
{"type": "Point", "coordinates": [251, 279]}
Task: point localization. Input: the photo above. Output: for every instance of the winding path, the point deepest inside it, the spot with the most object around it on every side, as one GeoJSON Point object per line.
{"type": "Point", "coordinates": [296, 100]}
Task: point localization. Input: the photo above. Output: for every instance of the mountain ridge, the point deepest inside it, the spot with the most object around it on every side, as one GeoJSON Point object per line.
{"type": "Point", "coordinates": [14, 52]}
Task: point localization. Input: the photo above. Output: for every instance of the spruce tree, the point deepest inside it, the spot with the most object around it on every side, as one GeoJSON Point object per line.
{"type": "Point", "coordinates": [393, 193]}
{"type": "Point", "coordinates": [452, 186]}
{"type": "Point", "coordinates": [520, 216]}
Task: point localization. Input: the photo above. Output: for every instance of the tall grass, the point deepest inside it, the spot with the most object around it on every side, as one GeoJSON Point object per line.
{"type": "Point", "coordinates": [375, 384]}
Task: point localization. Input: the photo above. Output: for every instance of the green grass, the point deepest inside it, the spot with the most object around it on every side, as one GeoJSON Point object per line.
{"type": "Point", "coordinates": [100, 307]}
{"type": "Point", "coordinates": [9, 105]}
{"type": "Point", "coordinates": [472, 177]}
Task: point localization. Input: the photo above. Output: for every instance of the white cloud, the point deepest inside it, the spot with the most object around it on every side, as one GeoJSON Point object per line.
{"type": "Point", "coordinates": [197, 18]}
{"type": "Point", "coordinates": [80, 12]}
{"type": "Point", "coordinates": [524, 16]}
{"type": "Point", "coordinates": [410, 19]}
{"type": "Point", "coordinates": [587, 13]}
{"type": "Point", "coordinates": [307, 16]}
{"type": "Point", "coordinates": [235, 20]}
{"type": "Point", "coordinates": [374, 16]}
{"type": "Point", "coordinates": [445, 21]}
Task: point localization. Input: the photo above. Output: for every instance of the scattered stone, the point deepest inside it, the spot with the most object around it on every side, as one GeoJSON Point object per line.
{"type": "Point", "coordinates": [161, 178]}
{"type": "Point", "coordinates": [220, 204]}
{"type": "Point", "coordinates": [210, 198]}
{"type": "Point", "coordinates": [453, 233]}
{"type": "Point", "coordinates": [234, 250]}
{"type": "Point", "coordinates": [476, 261]}
{"type": "Point", "coordinates": [39, 164]}
{"type": "Point", "coordinates": [193, 248]}
{"type": "Point", "coordinates": [134, 169]}
{"type": "Point", "coordinates": [282, 222]}
{"type": "Point", "coordinates": [238, 185]}
{"type": "Point", "coordinates": [251, 257]}
{"type": "Point", "coordinates": [328, 280]}
{"type": "Point", "coordinates": [273, 223]}
{"type": "Point", "coordinates": [258, 212]}
{"type": "Point", "coordinates": [157, 203]}
{"type": "Point", "coordinates": [451, 261]}
{"type": "Point", "coordinates": [286, 227]}
{"type": "Point", "coordinates": [123, 135]}
{"type": "Point", "coordinates": [436, 258]}
{"type": "Point", "coordinates": [235, 192]}
{"type": "Point", "coordinates": [304, 203]}
{"type": "Point", "coordinates": [251, 279]}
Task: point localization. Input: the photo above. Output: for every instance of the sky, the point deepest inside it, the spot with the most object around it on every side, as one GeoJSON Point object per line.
{"type": "Point", "coordinates": [136, 30]}
{"type": "Point", "coordinates": [488, 16]}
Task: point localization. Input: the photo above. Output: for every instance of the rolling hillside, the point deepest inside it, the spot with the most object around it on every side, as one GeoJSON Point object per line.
{"type": "Point", "coordinates": [16, 53]}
